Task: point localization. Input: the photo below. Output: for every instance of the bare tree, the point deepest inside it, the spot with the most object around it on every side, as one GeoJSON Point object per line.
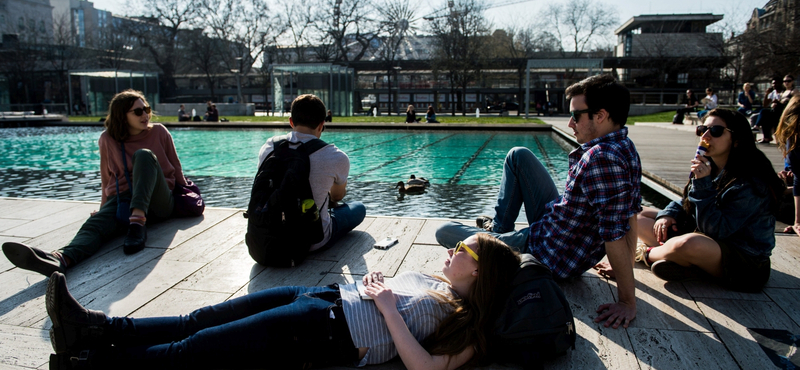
{"type": "Point", "coordinates": [459, 50]}
{"type": "Point", "coordinates": [158, 32]}
{"type": "Point", "coordinates": [297, 30]}
{"type": "Point", "coordinates": [517, 44]}
{"type": "Point", "coordinates": [347, 25]}
{"type": "Point", "coordinates": [397, 18]}
{"type": "Point", "coordinates": [580, 25]}
{"type": "Point", "coordinates": [62, 55]}
{"type": "Point", "coordinates": [244, 31]}
{"type": "Point", "coordinates": [18, 61]}
{"type": "Point", "coordinates": [202, 54]}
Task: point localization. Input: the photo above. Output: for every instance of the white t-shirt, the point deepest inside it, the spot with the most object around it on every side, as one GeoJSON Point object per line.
{"type": "Point", "coordinates": [774, 95]}
{"type": "Point", "coordinates": [712, 102]}
{"type": "Point", "coordinates": [329, 166]}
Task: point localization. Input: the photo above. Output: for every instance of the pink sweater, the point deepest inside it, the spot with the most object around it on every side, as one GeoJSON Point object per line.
{"type": "Point", "coordinates": [157, 139]}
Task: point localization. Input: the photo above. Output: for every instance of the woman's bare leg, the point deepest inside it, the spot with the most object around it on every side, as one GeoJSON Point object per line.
{"type": "Point", "coordinates": [691, 249]}
{"type": "Point", "coordinates": [646, 219]}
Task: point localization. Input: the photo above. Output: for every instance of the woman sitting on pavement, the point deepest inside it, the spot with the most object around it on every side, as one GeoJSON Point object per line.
{"type": "Point", "coordinates": [301, 327]}
{"type": "Point", "coordinates": [788, 137]}
{"type": "Point", "coordinates": [144, 177]}
{"type": "Point", "coordinates": [430, 116]}
{"type": "Point", "coordinates": [746, 99]}
{"type": "Point", "coordinates": [411, 115]}
{"type": "Point", "coordinates": [724, 226]}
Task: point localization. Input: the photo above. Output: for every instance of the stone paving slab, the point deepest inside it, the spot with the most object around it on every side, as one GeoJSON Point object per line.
{"type": "Point", "coordinates": [683, 325]}
{"type": "Point", "coordinates": [190, 263]}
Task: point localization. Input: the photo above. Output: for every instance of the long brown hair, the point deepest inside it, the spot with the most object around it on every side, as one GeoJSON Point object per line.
{"type": "Point", "coordinates": [745, 161]}
{"type": "Point", "coordinates": [117, 120]}
{"type": "Point", "coordinates": [787, 131]}
{"type": "Point", "coordinates": [474, 318]}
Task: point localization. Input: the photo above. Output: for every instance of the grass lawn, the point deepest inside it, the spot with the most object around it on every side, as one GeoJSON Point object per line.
{"type": "Point", "coordinates": [387, 119]}
{"type": "Point", "coordinates": [655, 117]}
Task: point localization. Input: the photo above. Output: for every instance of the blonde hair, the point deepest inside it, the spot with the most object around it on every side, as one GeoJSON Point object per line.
{"type": "Point", "coordinates": [787, 131]}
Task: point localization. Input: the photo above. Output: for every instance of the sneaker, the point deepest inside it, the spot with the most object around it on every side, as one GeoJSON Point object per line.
{"type": "Point", "coordinates": [33, 259]}
{"type": "Point", "coordinates": [134, 241]}
{"type": "Point", "coordinates": [74, 327]}
{"type": "Point", "coordinates": [671, 271]}
{"type": "Point", "coordinates": [641, 253]}
{"type": "Point", "coordinates": [485, 222]}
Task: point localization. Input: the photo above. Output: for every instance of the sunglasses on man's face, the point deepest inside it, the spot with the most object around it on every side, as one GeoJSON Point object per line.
{"type": "Point", "coordinates": [461, 245]}
{"type": "Point", "coordinates": [139, 111]}
{"type": "Point", "coordinates": [576, 114]}
{"type": "Point", "coordinates": [716, 131]}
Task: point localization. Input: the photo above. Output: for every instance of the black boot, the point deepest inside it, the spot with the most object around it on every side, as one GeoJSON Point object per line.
{"type": "Point", "coordinates": [134, 241]}
{"type": "Point", "coordinates": [33, 259]}
{"type": "Point", "coordinates": [74, 327]}
{"type": "Point", "coordinates": [65, 361]}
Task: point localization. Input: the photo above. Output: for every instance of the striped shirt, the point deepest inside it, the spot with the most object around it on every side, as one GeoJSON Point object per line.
{"type": "Point", "coordinates": [421, 313]}
{"type": "Point", "coordinates": [602, 192]}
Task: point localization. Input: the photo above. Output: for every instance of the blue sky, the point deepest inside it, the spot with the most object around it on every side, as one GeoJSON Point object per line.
{"type": "Point", "coordinates": [736, 12]}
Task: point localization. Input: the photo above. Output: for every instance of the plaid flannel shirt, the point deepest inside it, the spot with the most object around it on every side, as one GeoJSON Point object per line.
{"type": "Point", "coordinates": [602, 192]}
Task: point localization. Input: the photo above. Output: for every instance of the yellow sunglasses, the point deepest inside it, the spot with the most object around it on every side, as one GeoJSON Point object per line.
{"type": "Point", "coordinates": [472, 253]}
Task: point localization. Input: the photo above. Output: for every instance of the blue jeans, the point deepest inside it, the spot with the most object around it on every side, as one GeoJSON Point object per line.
{"type": "Point", "coordinates": [525, 181]}
{"type": "Point", "coordinates": [286, 327]}
{"type": "Point", "coordinates": [344, 218]}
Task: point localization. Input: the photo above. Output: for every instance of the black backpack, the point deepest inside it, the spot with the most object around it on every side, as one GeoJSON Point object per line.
{"type": "Point", "coordinates": [537, 323]}
{"type": "Point", "coordinates": [282, 219]}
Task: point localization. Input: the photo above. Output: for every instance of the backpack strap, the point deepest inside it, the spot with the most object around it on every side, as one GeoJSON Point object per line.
{"type": "Point", "coordinates": [312, 146]}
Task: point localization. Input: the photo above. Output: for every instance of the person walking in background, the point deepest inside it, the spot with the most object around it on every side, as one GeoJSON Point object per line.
{"type": "Point", "coordinates": [430, 115]}
{"type": "Point", "coordinates": [746, 99]}
{"type": "Point", "coordinates": [710, 102]}
{"type": "Point", "coordinates": [329, 116]}
{"type": "Point", "coordinates": [769, 118]}
{"type": "Point", "coordinates": [139, 168]}
{"type": "Point", "coordinates": [724, 227]}
{"type": "Point", "coordinates": [690, 104]}
{"type": "Point", "coordinates": [305, 327]}
{"type": "Point", "coordinates": [411, 115]}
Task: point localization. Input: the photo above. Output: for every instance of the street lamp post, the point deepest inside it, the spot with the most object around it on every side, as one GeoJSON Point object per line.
{"type": "Point", "coordinates": [237, 71]}
{"type": "Point", "coordinates": [397, 89]}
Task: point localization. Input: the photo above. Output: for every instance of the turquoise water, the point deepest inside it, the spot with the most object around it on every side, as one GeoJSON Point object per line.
{"type": "Point", "coordinates": [464, 168]}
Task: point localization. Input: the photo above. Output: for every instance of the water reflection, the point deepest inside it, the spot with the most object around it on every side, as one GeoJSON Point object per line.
{"type": "Point", "coordinates": [381, 198]}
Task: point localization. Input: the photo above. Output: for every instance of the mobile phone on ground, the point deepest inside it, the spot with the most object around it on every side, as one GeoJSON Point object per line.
{"type": "Point", "coordinates": [386, 243]}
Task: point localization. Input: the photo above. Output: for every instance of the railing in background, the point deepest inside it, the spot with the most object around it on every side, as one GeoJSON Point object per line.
{"type": "Point", "coordinates": [33, 109]}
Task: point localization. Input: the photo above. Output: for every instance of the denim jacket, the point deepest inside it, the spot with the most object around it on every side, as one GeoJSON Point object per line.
{"type": "Point", "coordinates": [739, 215]}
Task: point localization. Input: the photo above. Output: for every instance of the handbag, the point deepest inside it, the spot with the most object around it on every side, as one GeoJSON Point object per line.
{"type": "Point", "coordinates": [123, 203]}
{"type": "Point", "coordinates": [188, 202]}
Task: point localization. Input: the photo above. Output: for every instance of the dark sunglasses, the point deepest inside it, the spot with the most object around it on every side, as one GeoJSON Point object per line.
{"type": "Point", "coordinates": [788, 80]}
{"type": "Point", "coordinates": [576, 114]}
{"type": "Point", "coordinates": [716, 131]}
{"type": "Point", "coordinates": [139, 111]}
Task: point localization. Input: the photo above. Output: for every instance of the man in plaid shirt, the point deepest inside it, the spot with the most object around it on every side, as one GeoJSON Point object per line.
{"type": "Point", "coordinates": [596, 215]}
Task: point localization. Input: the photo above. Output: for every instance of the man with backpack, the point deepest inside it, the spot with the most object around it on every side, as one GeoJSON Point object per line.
{"type": "Point", "coordinates": [300, 180]}
{"type": "Point", "coordinates": [595, 216]}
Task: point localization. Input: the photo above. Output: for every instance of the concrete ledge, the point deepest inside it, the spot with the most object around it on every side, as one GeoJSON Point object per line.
{"type": "Point", "coordinates": [352, 125]}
